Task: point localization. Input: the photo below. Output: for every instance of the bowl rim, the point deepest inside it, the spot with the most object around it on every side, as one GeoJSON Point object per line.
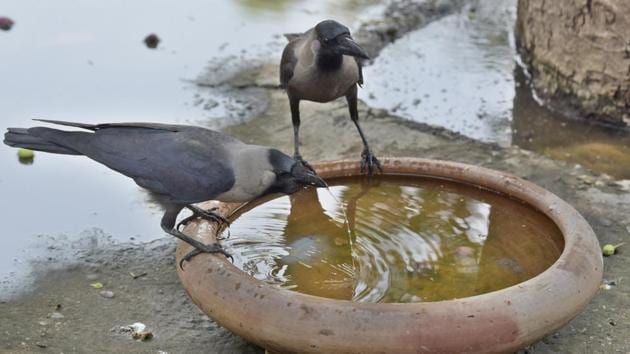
{"type": "Point", "coordinates": [216, 285]}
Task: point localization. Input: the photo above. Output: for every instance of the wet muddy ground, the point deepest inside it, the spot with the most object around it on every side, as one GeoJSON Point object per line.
{"type": "Point", "coordinates": [62, 312]}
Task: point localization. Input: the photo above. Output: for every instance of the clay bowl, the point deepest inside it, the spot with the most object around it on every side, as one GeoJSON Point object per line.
{"type": "Point", "coordinates": [501, 321]}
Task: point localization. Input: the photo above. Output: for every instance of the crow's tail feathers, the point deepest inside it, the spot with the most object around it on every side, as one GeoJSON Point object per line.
{"type": "Point", "coordinates": [20, 137]}
{"type": "Point", "coordinates": [92, 127]}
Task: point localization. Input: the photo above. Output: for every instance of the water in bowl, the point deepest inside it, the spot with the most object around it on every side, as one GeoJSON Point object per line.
{"type": "Point", "coordinates": [409, 240]}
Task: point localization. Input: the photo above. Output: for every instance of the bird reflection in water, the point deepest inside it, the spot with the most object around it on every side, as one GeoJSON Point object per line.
{"type": "Point", "coordinates": [412, 240]}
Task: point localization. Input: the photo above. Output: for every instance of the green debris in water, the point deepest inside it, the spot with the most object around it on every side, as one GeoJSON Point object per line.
{"type": "Point", "coordinates": [25, 153]}
{"type": "Point", "coordinates": [25, 156]}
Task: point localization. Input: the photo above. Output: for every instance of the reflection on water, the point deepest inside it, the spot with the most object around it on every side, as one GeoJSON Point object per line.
{"type": "Point", "coordinates": [413, 240]}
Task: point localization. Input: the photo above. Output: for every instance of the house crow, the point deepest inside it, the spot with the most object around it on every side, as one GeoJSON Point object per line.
{"type": "Point", "coordinates": [322, 65]}
{"type": "Point", "coordinates": [181, 165]}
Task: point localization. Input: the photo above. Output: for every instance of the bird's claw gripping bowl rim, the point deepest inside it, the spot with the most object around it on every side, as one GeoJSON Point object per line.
{"type": "Point", "coordinates": [501, 321]}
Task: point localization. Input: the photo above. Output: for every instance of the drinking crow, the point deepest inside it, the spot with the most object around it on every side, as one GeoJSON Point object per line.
{"type": "Point", "coordinates": [322, 65]}
{"type": "Point", "coordinates": [180, 164]}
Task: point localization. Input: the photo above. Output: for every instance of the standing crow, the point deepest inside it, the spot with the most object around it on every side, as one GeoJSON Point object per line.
{"type": "Point", "coordinates": [322, 65]}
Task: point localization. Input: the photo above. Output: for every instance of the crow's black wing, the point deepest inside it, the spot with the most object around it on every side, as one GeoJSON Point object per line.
{"type": "Point", "coordinates": [188, 166]}
{"type": "Point", "coordinates": [95, 127]}
{"type": "Point", "coordinates": [287, 63]}
{"type": "Point", "coordinates": [360, 82]}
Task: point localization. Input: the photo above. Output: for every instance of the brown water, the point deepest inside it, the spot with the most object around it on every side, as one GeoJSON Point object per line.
{"type": "Point", "coordinates": [410, 240]}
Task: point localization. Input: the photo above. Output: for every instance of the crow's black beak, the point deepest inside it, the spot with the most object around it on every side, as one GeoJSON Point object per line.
{"type": "Point", "coordinates": [314, 180]}
{"type": "Point", "coordinates": [307, 177]}
{"type": "Point", "coordinates": [348, 46]}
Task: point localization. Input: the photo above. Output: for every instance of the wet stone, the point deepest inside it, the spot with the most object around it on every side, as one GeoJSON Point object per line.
{"type": "Point", "coordinates": [6, 23]}
{"type": "Point", "coordinates": [56, 316]}
{"type": "Point", "coordinates": [152, 41]}
{"type": "Point", "coordinates": [107, 294]}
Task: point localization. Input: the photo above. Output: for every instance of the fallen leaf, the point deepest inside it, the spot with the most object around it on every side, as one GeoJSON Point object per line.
{"type": "Point", "coordinates": [97, 285]}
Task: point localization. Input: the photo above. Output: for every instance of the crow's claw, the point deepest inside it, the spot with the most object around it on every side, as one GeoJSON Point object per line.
{"type": "Point", "coordinates": [209, 214]}
{"type": "Point", "coordinates": [211, 248]}
{"type": "Point", "coordinates": [369, 163]}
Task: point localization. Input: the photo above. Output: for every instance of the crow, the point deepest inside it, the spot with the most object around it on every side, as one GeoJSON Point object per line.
{"type": "Point", "coordinates": [181, 165]}
{"type": "Point", "coordinates": [322, 65]}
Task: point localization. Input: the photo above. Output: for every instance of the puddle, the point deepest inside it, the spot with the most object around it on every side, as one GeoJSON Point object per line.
{"type": "Point", "coordinates": [412, 240]}
{"type": "Point", "coordinates": [456, 72]}
{"type": "Point", "coordinates": [460, 73]}
{"type": "Point", "coordinates": [87, 62]}
{"type": "Point", "coordinates": [596, 147]}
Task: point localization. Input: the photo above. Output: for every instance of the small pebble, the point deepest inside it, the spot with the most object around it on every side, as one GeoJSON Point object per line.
{"type": "Point", "coordinates": [56, 316]}
{"type": "Point", "coordinates": [464, 251]}
{"type": "Point", "coordinates": [107, 294]}
{"type": "Point", "coordinates": [152, 41]}
{"type": "Point", "coordinates": [340, 241]}
{"type": "Point", "coordinates": [142, 336]}
{"type": "Point", "coordinates": [6, 23]}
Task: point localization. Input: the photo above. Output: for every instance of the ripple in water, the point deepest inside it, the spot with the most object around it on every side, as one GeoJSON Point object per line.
{"type": "Point", "coordinates": [410, 240]}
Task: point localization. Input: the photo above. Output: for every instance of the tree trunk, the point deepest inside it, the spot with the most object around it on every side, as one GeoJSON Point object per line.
{"type": "Point", "coordinates": [578, 52]}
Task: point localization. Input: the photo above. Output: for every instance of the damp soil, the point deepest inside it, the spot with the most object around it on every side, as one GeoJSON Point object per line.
{"type": "Point", "coordinates": [393, 239]}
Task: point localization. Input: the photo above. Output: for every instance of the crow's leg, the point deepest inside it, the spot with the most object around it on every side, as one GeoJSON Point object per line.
{"type": "Point", "coordinates": [295, 119]}
{"type": "Point", "coordinates": [168, 225]}
{"type": "Point", "coordinates": [369, 162]}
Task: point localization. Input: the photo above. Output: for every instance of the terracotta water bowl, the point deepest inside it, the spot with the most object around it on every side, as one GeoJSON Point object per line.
{"type": "Point", "coordinates": [285, 321]}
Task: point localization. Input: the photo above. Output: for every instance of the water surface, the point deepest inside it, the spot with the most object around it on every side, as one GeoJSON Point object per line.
{"type": "Point", "coordinates": [86, 61]}
{"type": "Point", "coordinates": [410, 240]}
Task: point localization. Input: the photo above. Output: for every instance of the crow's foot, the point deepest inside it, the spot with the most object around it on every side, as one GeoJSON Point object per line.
{"type": "Point", "coordinates": [369, 163]}
{"type": "Point", "coordinates": [209, 214]}
{"type": "Point", "coordinates": [211, 248]}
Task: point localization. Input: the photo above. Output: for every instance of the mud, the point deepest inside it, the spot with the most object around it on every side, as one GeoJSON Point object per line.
{"type": "Point", "coordinates": [90, 321]}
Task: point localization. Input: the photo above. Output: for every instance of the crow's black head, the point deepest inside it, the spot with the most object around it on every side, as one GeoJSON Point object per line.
{"type": "Point", "coordinates": [291, 175]}
{"type": "Point", "coordinates": [335, 38]}
{"type": "Point", "coordinates": [328, 30]}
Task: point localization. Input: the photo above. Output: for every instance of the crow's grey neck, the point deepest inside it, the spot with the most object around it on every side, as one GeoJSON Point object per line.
{"type": "Point", "coordinates": [253, 173]}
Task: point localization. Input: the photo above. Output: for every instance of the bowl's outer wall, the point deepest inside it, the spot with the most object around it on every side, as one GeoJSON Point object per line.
{"type": "Point", "coordinates": [501, 321]}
